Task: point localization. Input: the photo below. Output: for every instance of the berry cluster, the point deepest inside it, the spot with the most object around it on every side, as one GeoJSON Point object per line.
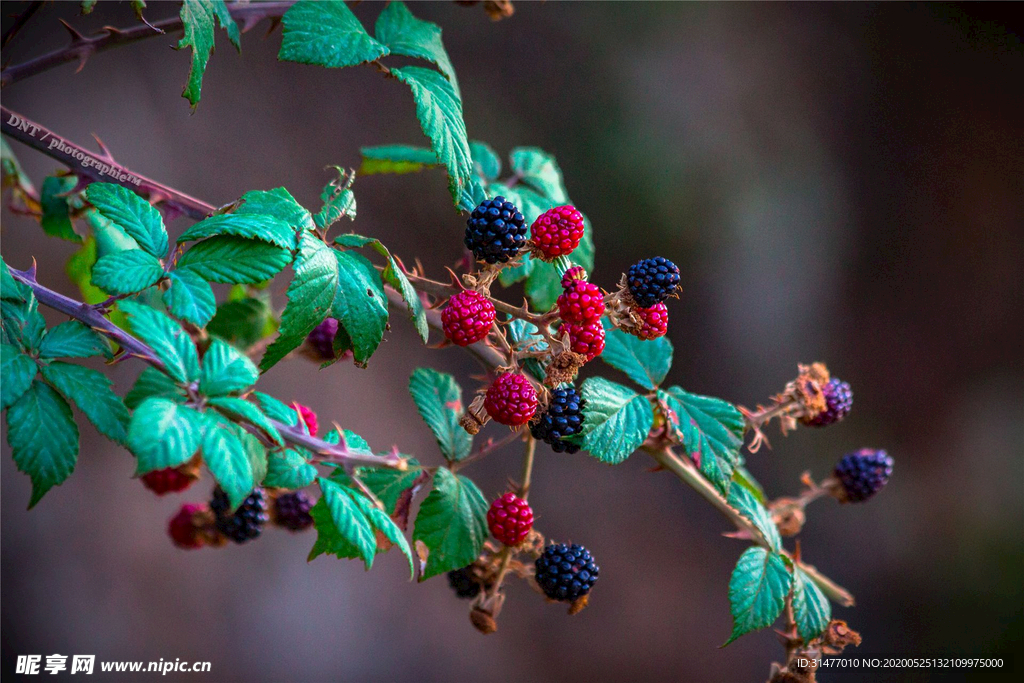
{"type": "Point", "coordinates": [563, 418]}
{"type": "Point", "coordinates": [838, 402]}
{"type": "Point", "coordinates": [557, 231]}
{"type": "Point", "coordinates": [169, 480]}
{"type": "Point", "coordinates": [652, 280]}
{"type": "Point", "coordinates": [467, 318]}
{"type": "Point", "coordinates": [496, 231]}
{"type": "Point", "coordinates": [511, 400]}
{"type": "Point", "coordinates": [245, 523]}
{"type": "Point", "coordinates": [291, 510]}
{"type": "Point", "coordinates": [580, 303]}
{"type": "Point", "coordinates": [510, 519]}
{"type": "Point", "coordinates": [566, 572]}
{"type": "Point", "coordinates": [863, 473]}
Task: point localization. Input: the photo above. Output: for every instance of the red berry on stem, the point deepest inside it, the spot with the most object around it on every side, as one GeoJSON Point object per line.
{"type": "Point", "coordinates": [510, 519]}
{"type": "Point", "coordinates": [467, 318]}
{"type": "Point", "coordinates": [587, 340]}
{"type": "Point", "coordinates": [182, 528]}
{"type": "Point", "coordinates": [581, 302]}
{"type": "Point", "coordinates": [653, 322]}
{"type": "Point", "coordinates": [309, 417]}
{"type": "Point", "coordinates": [166, 481]}
{"type": "Point", "coordinates": [558, 231]}
{"type": "Point", "coordinates": [511, 400]}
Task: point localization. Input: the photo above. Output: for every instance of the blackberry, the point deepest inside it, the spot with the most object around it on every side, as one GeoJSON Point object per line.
{"type": "Point", "coordinates": [566, 572]}
{"type": "Point", "coordinates": [246, 522]}
{"type": "Point", "coordinates": [652, 280]}
{"type": "Point", "coordinates": [564, 417]}
{"type": "Point", "coordinates": [461, 581]}
{"type": "Point", "coordinates": [495, 231]}
{"type": "Point", "coordinates": [321, 339]}
{"type": "Point", "coordinates": [863, 473]}
{"type": "Point", "coordinates": [838, 402]}
{"type": "Point", "coordinates": [292, 510]}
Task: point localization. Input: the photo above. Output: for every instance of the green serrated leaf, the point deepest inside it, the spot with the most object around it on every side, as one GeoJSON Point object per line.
{"type": "Point", "coordinates": [360, 304]}
{"type": "Point", "coordinates": [349, 521]}
{"type": "Point", "coordinates": [79, 271]}
{"type": "Point", "coordinates": [757, 591]}
{"type": "Point", "coordinates": [438, 397]}
{"type": "Point", "coordinates": [390, 485]}
{"type": "Point", "coordinates": [439, 110]}
{"type": "Point", "coordinates": [741, 476]}
{"type": "Point", "coordinates": [310, 295]}
{"type": "Point", "coordinates": [22, 321]}
{"type": "Point", "coordinates": [539, 170]}
{"type": "Point", "coordinates": [56, 219]}
{"type": "Point", "coordinates": [227, 458]}
{"type": "Point", "coordinates": [72, 339]}
{"type": "Point", "coordinates": [231, 260]}
{"type": "Point", "coordinates": [451, 523]}
{"type": "Point", "coordinates": [326, 33]}
{"type": "Point", "coordinates": [339, 201]}
{"type": "Point", "coordinates": [171, 344]}
{"type": "Point", "coordinates": [276, 410]}
{"type": "Point", "coordinates": [527, 336]}
{"type": "Point", "coordinates": [241, 408]}
{"type": "Point", "coordinates": [43, 436]}
{"type": "Point", "coordinates": [91, 391]}
{"type": "Point", "coordinates": [250, 226]}
{"type": "Point", "coordinates": [616, 420]}
{"type": "Point", "coordinates": [406, 35]}
{"type": "Point", "coordinates": [255, 452]}
{"type": "Point", "coordinates": [198, 17]}
{"type": "Point", "coordinates": [16, 373]}
{"type": "Point", "coordinates": [278, 203]}
{"type": "Point", "coordinates": [711, 430]}
{"type": "Point", "coordinates": [153, 384]}
{"type": "Point", "coordinates": [225, 370]}
{"type": "Point", "coordinates": [485, 160]}
{"type": "Point", "coordinates": [396, 159]}
{"type": "Point", "coordinates": [747, 505]}
{"type": "Point", "coordinates": [190, 298]}
{"type": "Point", "coordinates": [162, 433]}
{"type": "Point", "coordinates": [288, 469]}
{"type": "Point", "coordinates": [243, 322]}
{"type": "Point", "coordinates": [9, 289]}
{"type": "Point", "coordinates": [646, 362]}
{"type": "Point", "coordinates": [352, 440]}
{"type": "Point", "coordinates": [811, 609]}
{"type": "Point", "coordinates": [127, 272]}
{"type": "Point", "coordinates": [132, 214]}
{"type": "Point", "coordinates": [380, 521]}
{"type": "Point", "coordinates": [226, 22]}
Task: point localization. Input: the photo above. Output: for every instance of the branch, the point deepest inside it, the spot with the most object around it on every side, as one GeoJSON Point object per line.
{"type": "Point", "coordinates": [82, 47]}
{"type": "Point", "coordinates": [98, 167]}
{"type": "Point", "coordinates": [21, 20]}
{"type": "Point", "coordinates": [135, 347]}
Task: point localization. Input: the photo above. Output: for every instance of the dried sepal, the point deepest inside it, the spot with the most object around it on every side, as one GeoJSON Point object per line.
{"type": "Point", "coordinates": [803, 398]}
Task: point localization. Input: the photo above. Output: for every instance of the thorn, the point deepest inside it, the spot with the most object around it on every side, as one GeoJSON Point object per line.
{"type": "Point", "coordinates": [146, 22]}
{"type": "Point", "coordinates": [456, 280]}
{"type": "Point", "coordinates": [32, 269]}
{"type": "Point", "coordinates": [274, 23]}
{"type": "Point", "coordinates": [82, 59]}
{"type": "Point", "coordinates": [76, 37]}
{"type": "Point", "coordinates": [104, 152]}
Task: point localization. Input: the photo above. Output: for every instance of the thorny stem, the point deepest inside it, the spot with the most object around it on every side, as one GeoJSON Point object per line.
{"type": "Point", "coordinates": [486, 449]}
{"type": "Point", "coordinates": [135, 347]}
{"type": "Point", "coordinates": [82, 47]}
{"type": "Point", "coordinates": [442, 289]}
{"type": "Point", "coordinates": [20, 21]}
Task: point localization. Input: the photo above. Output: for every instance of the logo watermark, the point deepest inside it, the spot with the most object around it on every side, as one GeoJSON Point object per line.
{"type": "Point", "coordinates": [86, 664]}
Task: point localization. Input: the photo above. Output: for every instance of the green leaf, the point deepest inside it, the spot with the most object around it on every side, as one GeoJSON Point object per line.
{"type": "Point", "coordinates": [278, 203]}
{"type": "Point", "coordinates": [43, 437]}
{"type": "Point", "coordinates": [352, 440]}
{"type": "Point", "coordinates": [8, 287]}
{"type": "Point", "coordinates": [243, 322]}
{"type": "Point", "coordinates": [616, 420]}
{"type": "Point", "coordinates": [231, 260]}
{"type": "Point", "coordinates": [757, 591]}
{"type": "Point", "coordinates": [360, 304]}
{"type": "Point", "coordinates": [79, 270]}
{"type": "Point", "coordinates": [132, 214]}
{"type": "Point", "coordinates": [171, 344]}
{"type": "Point", "coordinates": [164, 434]}
{"type": "Point", "coordinates": [810, 607]}
{"type": "Point", "coordinates": [389, 485]}
{"type": "Point", "coordinates": [396, 159]}
{"type": "Point", "coordinates": [22, 321]}
{"type": "Point", "coordinates": [528, 337]}
{"type": "Point", "coordinates": [227, 458]}
{"type": "Point", "coordinates": [380, 521]}
{"type": "Point", "coordinates": [241, 408]}
{"type": "Point", "coordinates": [406, 35]}
{"type": "Point", "coordinates": [750, 507]}
{"type": "Point", "coordinates": [56, 219]}
{"type": "Point", "coordinates": [451, 523]}
{"type": "Point", "coordinates": [326, 34]}
{"type": "Point", "coordinates": [255, 452]}
{"type": "Point", "coordinates": [198, 19]}
{"type": "Point", "coordinates": [250, 226]}
{"type": "Point", "coordinates": [539, 170]}
{"type": "Point", "coordinates": [110, 237]}
{"type": "Point", "coordinates": [439, 109]}
{"type": "Point", "coordinates": [349, 521]}
{"type": "Point", "coordinates": [16, 373]}
{"type": "Point", "coordinates": [190, 298]}
{"type": "Point", "coordinates": [712, 432]}
{"type": "Point", "coordinates": [741, 476]}
{"type": "Point", "coordinates": [276, 410]}
{"type": "Point", "coordinates": [88, 6]}
{"type": "Point", "coordinates": [439, 400]}
{"type": "Point", "coordinates": [91, 391]}
{"type": "Point", "coordinates": [310, 294]}
{"type": "Point", "coordinates": [288, 469]}
{"type": "Point", "coordinates": [127, 272]}
{"type": "Point", "coordinates": [485, 160]}
{"type": "Point", "coordinates": [338, 199]}
{"type": "Point", "coordinates": [153, 384]}
{"type": "Point", "coordinates": [225, 370]}
{"type": "Point", "coordinates": [72, 339]}
{"type": "Point", "coordinates": [646, 362]}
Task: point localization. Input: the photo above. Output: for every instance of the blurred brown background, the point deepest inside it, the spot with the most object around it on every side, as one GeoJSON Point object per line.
{"type": "Point", "coordinates": [837, 182]}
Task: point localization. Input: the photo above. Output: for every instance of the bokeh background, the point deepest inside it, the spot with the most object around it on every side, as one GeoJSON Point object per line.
{"type": "Point", "coordinates": [840, 182]}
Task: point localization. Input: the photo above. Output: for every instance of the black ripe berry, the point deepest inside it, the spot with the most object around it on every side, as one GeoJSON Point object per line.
{"type": "Point", "coordinates": [838, 402]}
{"type": "Point", "coordinates": [564, 417]}
{"type": "Point", "coordinates": [863, 473]}
{"type": "Point", "coordinates": [495, 231]}
{"type": "Point", "coordinates": [463, 584]}
{"type": "Point", "coordinates": [652, 280]}
{"type": "Point", "coordinates": [566, 572]}
{"type": "Point", "coordinates": [292, 510]}
{"type": "Point", "coordinates": [247, 521]}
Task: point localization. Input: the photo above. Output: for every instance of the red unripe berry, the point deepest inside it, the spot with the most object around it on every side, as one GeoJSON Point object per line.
{"type": "Point", "coordinates": [587, 340]}
{"type": "Point", "coordinates": [558, 231]}
{"type": "Point", "coordinates": [510, 519]}
{"type": "Point", "coordinates": [182, 528]}
{"type": "Point", "coordinates": [309, 417]}
{"type": "Point", "coordinates": [580, 303]}
{"type": "Point", "coordinates": [653, 322]}
{"type": "Point", "coordinates": [167, 480]}
{"type": "Point", "coordinates": [511, 400]}
{"type": "Point", "coordinates": [467, 318]}
{"type": "Point", "coordinates": [574, 273]}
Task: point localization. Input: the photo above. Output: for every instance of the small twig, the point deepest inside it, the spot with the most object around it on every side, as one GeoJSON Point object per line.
{"type": "Point", "coordinates": [531, 449]}
{"type": "Point", "coordinates": [485, 450]}
{"type": "Point", "coordinates": [20, 21]}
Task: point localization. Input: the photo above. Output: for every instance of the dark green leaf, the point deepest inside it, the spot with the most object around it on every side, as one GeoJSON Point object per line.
{"type": "Point", "coordinates": [227, 458]}
{"type": "Point", "coordinates": [278, 203]}
{"type": "Point", "coordinates": [389, 485]}
{"type": "Point", "coordinates": [8, 287]}
{"type": "Point", "coordinates": [616, 420]}
{"type": "Point", "coordinates": [242, 322]}
{"type": "Point", "coordinates": [439, 400]}
{"type": "Point", "coordinates": [451, 523]}
{"type": "Point", "coordinates": [241, 408]}
{"type": "Point", "coordinates": [711, 430]}
{"type": "Point", "coordinates": [226, 23]}
{"type": "Point", "coordinates": [163, 433]}
{"type": "Point", "coordinates": [352, 440]}
{"type": "Point", "coordinates": [539, 170]}
{"type": "Point", "coordinates": [646, 362]}
{"type": "Point", "coordinates": [349, 521]}
{"type": "Point", "coordinates": [132, 214]}
{"type": "Point", "coordinates": [338, 201]}
{"type": "Point", "coordinates": [810, 607]}
{"type": "Point", "coordinates": [386, 526]}
{"type": "Point", "coordinates": [91, 391]}
{"type": "Point", "coordinates": [528, 337]}
{"type": "Point", "coordinates": [360, 304]}
{"type": "Point", "coordinates": [406, 35]}
{"type": "Point", "coordinates": [190, 298]}
{"type": "Point", "coordinates": [169, 342]}
{"type": "Point", "coordinates": [396, 159]}
{"type": "Point", "coordinates": [757, 590]}
{"type": "Point", "coordinates": [255, 452]}
{"type": "Point", "coordinates": [741, 476]}
{"type": "Point", "coordinates": [287, 469]}
{"type": "Point", "coordinates": [439, 109]}
{"type": "Point", "coordinates": [56, 219]}
{"type": "Point", "coordinates": [43, 437]}
{"type": "Point", "coordinates": [198, 19]}
{"type": "Point", "coordinates": [153, 383]}
{"type": "Point", "coordinates": [127, 272]}
{"type": "Point", "coordinates": [225, 370]}
{"type": "Point", "coordinates": [72, 339]}
{"type": "Point", "coordinates": [326, 33]}
{"type": "Point", "coordinates": [22, 321]}
{"type": "Point", "coordinates": [250, 226]}
{"type": "Point", "coordinates": [231, 260]}
{"type": "Point", "coordinates": [276, 410]}
{"type": "Point", "coordinates": [16, 373]}
{"type": "Point", "coordinates": [487, 162]}
{"type": "Point", "coordinates": [747, 505]}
